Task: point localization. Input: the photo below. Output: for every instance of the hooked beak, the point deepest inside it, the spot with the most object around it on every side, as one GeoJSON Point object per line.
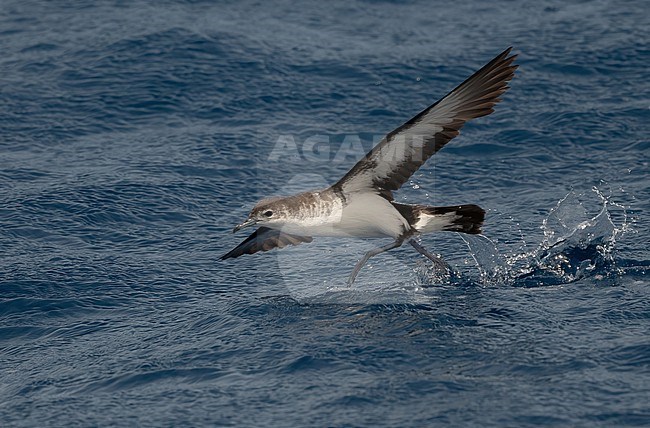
{"type": "Point", "coordinates": [249, 222]}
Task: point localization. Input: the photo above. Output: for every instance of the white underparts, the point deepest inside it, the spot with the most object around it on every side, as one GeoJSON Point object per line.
{"type": "Point", "coordinates": [363, 215]}
{"type": "Point", "coordinates": [428, 223]}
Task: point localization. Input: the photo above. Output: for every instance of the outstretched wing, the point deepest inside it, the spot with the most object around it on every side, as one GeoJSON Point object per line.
{"type": "Point", "coordinates": [265, 239]}
{"type": "Point", "coordinates": [392, 162]}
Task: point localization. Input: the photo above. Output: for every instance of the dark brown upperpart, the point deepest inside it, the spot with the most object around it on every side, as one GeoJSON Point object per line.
{"type": "Point", "coordinates": [473, 98]}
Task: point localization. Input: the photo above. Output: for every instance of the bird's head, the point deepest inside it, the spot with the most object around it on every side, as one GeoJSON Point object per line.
{"type": "Point", "coordinates": [269, 212]}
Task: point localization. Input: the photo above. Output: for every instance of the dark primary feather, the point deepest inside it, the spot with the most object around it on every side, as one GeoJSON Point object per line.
{"type": "Point", "coordinates": [265, 239]}
{"type": "Point", "coordinates": [392, 162]}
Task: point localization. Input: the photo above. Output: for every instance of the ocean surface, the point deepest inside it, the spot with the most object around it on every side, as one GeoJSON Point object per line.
{"type": "Point", "coordinates": [134, 135]}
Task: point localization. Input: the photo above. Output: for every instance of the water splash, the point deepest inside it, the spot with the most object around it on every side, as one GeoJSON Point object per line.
{"type": "Point", "coordinates": [574, 246]}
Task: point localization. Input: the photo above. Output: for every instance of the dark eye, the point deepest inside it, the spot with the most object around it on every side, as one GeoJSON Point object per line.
{"type": "Point", "coordinates": [268, 213]}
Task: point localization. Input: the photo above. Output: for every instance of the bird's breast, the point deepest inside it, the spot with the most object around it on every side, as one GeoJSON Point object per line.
{"type": "Point", "coordinates": [317, 215]}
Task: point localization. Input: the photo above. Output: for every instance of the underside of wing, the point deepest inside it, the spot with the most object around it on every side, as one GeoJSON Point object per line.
{"type": "Point", "coordinates": [392, 162]}
{"type": "Point", "coordinates": [265, 239]}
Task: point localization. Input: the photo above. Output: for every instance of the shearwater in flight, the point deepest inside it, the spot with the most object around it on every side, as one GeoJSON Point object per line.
{"type": "Point", "coordinates": [361, 203]}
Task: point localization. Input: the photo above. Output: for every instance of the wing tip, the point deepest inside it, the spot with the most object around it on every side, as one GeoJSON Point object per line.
{"type": "Point", "coordinates": [264, 239]}
{"type": "Point", "coordinates": [505, 60]}
{"type": "Point", "coordinates": [507, 52]}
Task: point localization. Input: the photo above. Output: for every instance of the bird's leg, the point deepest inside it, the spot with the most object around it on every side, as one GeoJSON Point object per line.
{"type": "Point", "coordinates": [369, 254]}
{"type": "Point", "coordinates": [438, 262]}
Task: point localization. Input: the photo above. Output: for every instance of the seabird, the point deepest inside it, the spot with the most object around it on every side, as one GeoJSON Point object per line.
{"type": "Point", "coordinates": [361, 203]}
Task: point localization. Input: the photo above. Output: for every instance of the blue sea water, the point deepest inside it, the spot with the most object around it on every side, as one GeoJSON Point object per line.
{"type": "Point", "coordinates": [135, 135]}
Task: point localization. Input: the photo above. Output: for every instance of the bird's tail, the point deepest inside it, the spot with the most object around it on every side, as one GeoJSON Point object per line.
{"type": "Point", "coordinates": [458, 218]}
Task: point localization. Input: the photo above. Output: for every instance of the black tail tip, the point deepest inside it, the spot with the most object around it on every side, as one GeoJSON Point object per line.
{"type": "Point", "coordinates": [470, 219]}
